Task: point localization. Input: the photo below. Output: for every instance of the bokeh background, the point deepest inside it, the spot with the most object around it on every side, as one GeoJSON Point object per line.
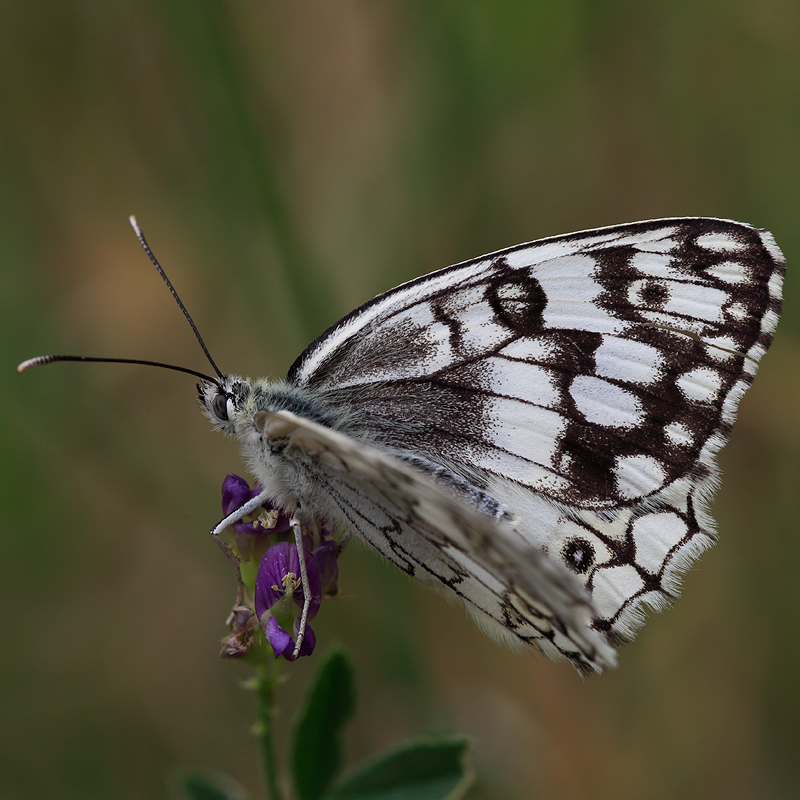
{"type": "Point", "coordinates": [289, 160]}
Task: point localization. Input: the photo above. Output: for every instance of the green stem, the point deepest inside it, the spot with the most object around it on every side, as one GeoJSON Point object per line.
{"type": "Point", "coordinates": [266, 681]}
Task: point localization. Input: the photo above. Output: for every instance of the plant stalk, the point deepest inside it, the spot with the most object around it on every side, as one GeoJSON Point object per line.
{"type": "Point", "coordinates": [266, 681]}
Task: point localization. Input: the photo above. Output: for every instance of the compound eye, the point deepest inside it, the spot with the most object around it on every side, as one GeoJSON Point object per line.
{"type": "Point", "coordinates": [220, 407]}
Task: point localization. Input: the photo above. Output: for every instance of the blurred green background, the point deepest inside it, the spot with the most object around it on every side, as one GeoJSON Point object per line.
{"type": "Point", "coordinates": [287, 161]}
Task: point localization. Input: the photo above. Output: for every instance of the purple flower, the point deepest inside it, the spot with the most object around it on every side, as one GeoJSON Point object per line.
{"type": "Point", "coordinates": [278, 593]}
{"type": "Point", "coordinates": [247, 535]}
{"type": "Point", "coordinates": [278, 583]}
{"type": "Point", "coordinates": [326, 557]}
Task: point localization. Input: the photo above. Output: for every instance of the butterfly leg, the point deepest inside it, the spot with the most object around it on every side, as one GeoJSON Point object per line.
{"type": "Point", "coordinates": [248, 508]}
{"type": "Point", "coordinates": [298, 538]}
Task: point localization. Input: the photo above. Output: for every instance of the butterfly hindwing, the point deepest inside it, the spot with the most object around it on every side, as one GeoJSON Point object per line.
{"type": "Point", "coordinates": [515, 591]}
{"type": "Point", "coordinates": [633, 557]}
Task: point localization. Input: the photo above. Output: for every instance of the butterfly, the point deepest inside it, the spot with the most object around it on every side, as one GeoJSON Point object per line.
{"type": "Point", "coordinates": [534, 431]}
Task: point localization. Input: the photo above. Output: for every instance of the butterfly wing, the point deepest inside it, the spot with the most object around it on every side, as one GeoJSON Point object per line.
{"type": "Point", "coordinates": [591, 368]}
{"type": "Point", "coordinates": [514, 590]}
{"type": "Point", "coordinates": [586, 381]}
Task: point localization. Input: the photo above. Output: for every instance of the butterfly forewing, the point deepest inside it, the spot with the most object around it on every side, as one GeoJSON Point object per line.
{"type": "Point", "coordinates": [589, 368]}
{"type": "Point", "coordinates": [585, 381]}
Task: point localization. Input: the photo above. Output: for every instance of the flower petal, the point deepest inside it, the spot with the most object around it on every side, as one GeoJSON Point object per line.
{"type": "Point", "coordinates": [274, 566]}
{"type": "Point", "coordinates": [279, 640]}
{"type": "Point", "coordinates": [325, 556]}
{"type": "Point", "coordinates": [280, 560]}
{"type": "Point", "coordinates": [235, 493]}
{"type": "Point", "coordinates": [309, 639]}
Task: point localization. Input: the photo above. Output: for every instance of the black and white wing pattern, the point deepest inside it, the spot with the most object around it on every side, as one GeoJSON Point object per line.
{"type": "Point", "coordinates": [584, 382]}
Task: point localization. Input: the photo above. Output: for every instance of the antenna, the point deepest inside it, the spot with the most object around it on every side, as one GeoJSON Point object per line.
{"type": "Point", "coordinates": [41, 360]}
{"type": "Point", "coordinates": [140, 236]}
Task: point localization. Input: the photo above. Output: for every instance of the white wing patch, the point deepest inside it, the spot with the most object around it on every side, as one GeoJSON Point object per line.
{"type": "Point", "coordinates": [601, 402]}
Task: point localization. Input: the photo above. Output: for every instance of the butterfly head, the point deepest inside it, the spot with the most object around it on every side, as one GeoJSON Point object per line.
{"type": "Point", "coordinates": [234, 406]}
{"type": "Point", "coordinates": [241, 408]}
{"type": "Point", "coordinates": [223, 400]}
{"type": "Point", "coordinates": [248, 410]}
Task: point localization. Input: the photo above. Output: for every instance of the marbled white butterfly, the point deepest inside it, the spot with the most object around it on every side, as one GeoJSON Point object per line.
{"type": "Point", "coordinates": [534, 431]}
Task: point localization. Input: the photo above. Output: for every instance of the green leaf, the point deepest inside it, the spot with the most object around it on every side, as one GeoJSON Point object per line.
{"type": "Point", "coordinates": [422, 770]}
{"type": "Point", "coordinates": [206, 786]}
{"type": "Point", "coordinates": [317, 749]}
